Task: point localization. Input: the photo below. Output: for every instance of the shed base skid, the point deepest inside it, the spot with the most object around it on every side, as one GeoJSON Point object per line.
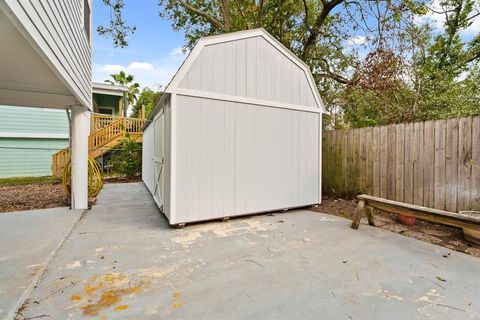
{"type": "Point", "coordinates": [181, 225]}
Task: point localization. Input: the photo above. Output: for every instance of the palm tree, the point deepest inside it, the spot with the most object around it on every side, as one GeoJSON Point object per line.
{"type": "Point", "coordinates": [123, 79]}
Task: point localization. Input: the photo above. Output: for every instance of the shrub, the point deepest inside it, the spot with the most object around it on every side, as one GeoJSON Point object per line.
{"type": "Point", "coordinates": [126, 158]}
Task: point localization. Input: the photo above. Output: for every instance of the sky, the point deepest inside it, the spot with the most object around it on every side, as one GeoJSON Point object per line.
{"type": "Point", "coordinates": [154, 51]}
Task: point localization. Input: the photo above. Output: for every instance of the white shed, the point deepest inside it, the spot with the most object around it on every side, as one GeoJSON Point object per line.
{"type": "Point", "coordinates": [238, 131]}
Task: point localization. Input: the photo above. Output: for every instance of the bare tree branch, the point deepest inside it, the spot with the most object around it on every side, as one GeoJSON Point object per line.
{"type": "Point", "coordinates": [328, 6]}
{"type": "Point", "coordinates": [201, 13]}
{"type": "Point", "coordinates": [227, 19]}
{"type": "Point", "coordinates": [258, 20]}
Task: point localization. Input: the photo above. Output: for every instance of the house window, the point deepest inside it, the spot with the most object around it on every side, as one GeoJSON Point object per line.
{"type": "Point", "coordinates": [86, 18]}
{"type": "Point", "coordinates": [105, 111]}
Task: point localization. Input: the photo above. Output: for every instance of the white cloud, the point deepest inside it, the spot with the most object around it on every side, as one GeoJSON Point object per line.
{"type": "Point", "coordinates": [436, 19]}
{"type": "Point", "coordinates": [112, 68]}
{"type": "Point", "coordinates": [178, 51]}
{"type": "Point", "coordinates": [357, 40]}
{"type": "Point", "coordinates": [474, 29]}
{"type": "Point", "coordinates": [147, 74]}
{"type": "Point", "coordinates": [135, 65]}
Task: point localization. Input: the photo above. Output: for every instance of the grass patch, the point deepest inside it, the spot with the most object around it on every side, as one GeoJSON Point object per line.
{"type": "Point", "coordinates": [28, 180]}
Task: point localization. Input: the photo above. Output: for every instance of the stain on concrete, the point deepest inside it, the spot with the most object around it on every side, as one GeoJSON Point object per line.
{"type": "Point", "coordinates": [107, 291]}
{"type": "Point", "coordinates": [121, 307]}
{"type": "Point", "coordinates": [73, 265]}
{"type": "Point", "coordinates": [75, 297]}
{"type": "Point", "coordinates": [176, 303]}
{"type": "Point", "coordinates": [188, 236]}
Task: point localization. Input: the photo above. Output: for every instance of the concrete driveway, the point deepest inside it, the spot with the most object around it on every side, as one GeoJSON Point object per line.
{"type": "Point", "coordinates": [123, 261]}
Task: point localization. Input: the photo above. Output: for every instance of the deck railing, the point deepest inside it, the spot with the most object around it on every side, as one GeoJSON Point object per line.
{"type": "Point", "coordinates": [105, 131]}
{"type": "Point", "coordinates": [59, 160]}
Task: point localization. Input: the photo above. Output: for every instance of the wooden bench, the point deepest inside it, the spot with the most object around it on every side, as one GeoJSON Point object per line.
{"type": "Point", "coordinates": [366, 204]}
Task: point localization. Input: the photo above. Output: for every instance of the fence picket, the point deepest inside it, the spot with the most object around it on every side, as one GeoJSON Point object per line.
{"type": "Point", "coordinates": [376, 162]}
{"type": "Point", "coordinates": [383, 161]}
{"type": "Point", "coordinates": [408, 183]}
{"type": "Point", "coordinates": [464, 163]}
{"type": "Point", "coordinates": [369, 160]}
{"type": "Point", "coordinates": [428, 163]}
{"type": "Point", "coordinates": [399, 161]}
{"type": "Point", "coordinates": [451, 165]}
{"type": "Point", "coordinates": [475, 161]}
{"type": "Point", "coordinates": [345, 178]}
{"type": "Point", "coordinates": [418, 164]}
{"type": "Point", "coordinates": [439, 165]}
{"type": "Point", "coordinates": [391, 154]}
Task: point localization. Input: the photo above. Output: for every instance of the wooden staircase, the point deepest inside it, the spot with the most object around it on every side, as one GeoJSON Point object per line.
{"type": "Point", "coordinates": [106, 132]}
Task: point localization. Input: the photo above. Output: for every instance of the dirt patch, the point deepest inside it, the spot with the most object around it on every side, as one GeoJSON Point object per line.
{"type": "Point", "coordinates": [31, 196]}
{"type": "Point", "coordinates": [445, 236]}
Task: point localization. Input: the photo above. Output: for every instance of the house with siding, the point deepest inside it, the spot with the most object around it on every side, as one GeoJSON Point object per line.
{"type": "Point", "coordinates": [30, 136]}
{"type": "Point", "coordinates": [45, 62]}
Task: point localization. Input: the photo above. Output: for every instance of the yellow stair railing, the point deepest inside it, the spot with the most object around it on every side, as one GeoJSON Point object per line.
{"type": "Point", "coordinates": [106, 132]}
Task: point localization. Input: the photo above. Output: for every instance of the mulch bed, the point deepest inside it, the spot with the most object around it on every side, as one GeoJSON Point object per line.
{"type": "Point", "coordinates": [445, 236]}
{"type": "Point", "coordinates": [31, 196]}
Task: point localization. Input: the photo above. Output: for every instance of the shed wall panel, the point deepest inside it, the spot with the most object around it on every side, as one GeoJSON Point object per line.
{"type": "Point", "coordinates": [147, 158]}
{"type": "Point", "coordinates": [168, 157]}
{"type": "Point", "coordinates": [235, 158]}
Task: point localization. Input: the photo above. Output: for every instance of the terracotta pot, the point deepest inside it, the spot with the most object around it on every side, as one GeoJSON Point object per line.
{"type": "Point", "coordinates": [407, 220]}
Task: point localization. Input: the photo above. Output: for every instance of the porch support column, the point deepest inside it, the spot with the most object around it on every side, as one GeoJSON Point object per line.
{"type": "Point", "coordinates": [120, 107]}
{"type": "Point", "coordinates": [79, 158]}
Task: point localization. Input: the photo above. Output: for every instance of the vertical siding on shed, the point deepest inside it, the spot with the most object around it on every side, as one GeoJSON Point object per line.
{"type": "Point", "coordinates": [235, 158]}
{"type": "Point", "coordinates": [168, 157]}
{"type": "Point", "coordinates": [252, 66]}
{"type": "Point", "coordinates": [147, 158]}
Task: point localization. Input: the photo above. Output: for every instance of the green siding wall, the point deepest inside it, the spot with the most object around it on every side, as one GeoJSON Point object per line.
{"type": "Point", "coordinates": [108, 101]}
{"type": "Point", "coordinates": [33, 120]}
{"type": "Point", "coordinates": [28, 157]}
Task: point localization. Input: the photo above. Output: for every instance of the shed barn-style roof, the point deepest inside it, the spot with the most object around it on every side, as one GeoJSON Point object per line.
{"type": "Point", "coordinates": [270, 74]}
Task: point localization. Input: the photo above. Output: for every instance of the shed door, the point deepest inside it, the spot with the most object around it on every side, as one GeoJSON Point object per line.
{"type": "Point", "coordinates": [159, 160]}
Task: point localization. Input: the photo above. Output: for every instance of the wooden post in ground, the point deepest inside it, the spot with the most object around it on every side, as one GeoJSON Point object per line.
{"type": "Point", "coordinates": [358, 214]}
{"type": "Point", "coordinates": [370, 216]}
{"type": "Point", "coordinates": [143, 111]}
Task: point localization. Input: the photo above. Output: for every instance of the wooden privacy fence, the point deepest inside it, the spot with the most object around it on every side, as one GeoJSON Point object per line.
{"type": "Point", "coordinates": [434, 164]}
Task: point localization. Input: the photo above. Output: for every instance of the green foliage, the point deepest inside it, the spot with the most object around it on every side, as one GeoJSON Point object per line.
{"type": "Point", "coordinates": [410, 72]}
{"type": "Point", "coordinates": [123, 79]}
{"type": "Point", "coordinates": [118, 30]}
{"type": "Point", "coordinates": [149, 99]}
{"type": "Point", "coordinates": [448, 69]}
{"type": "Point", "coordinates": [126, 158]}
{"type": "Point", "coordinates": [29, 180]}
{"type": "Point", "coordinates": [441, 79]}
